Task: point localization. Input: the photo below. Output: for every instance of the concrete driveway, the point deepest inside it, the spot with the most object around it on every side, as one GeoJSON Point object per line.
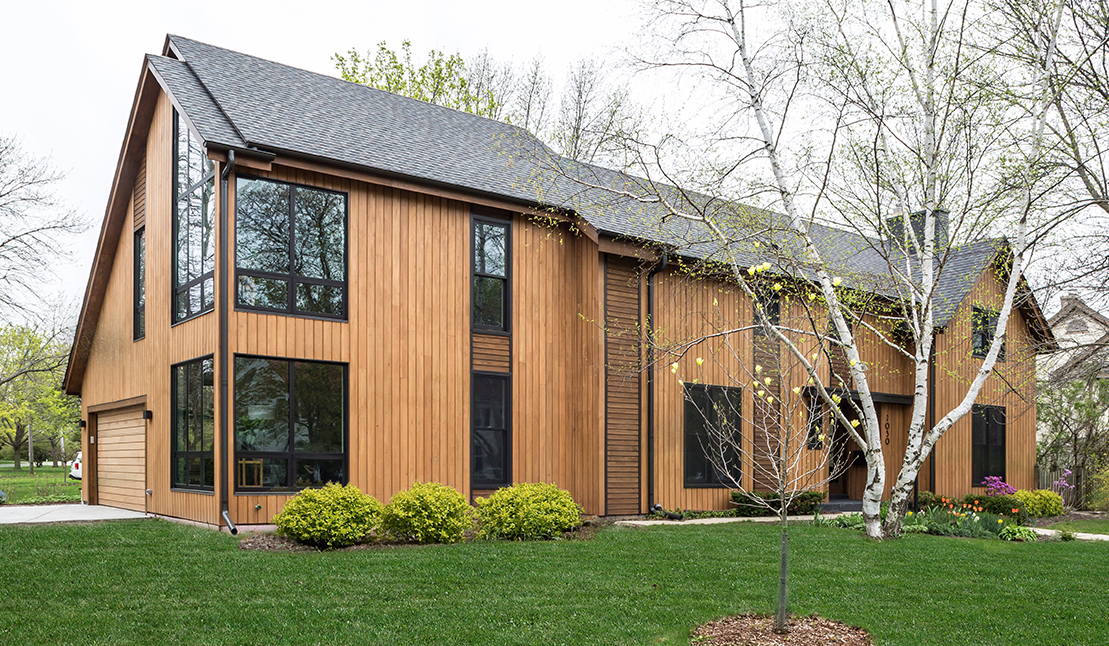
{"type": "Point", "coordinates": [26, 514]}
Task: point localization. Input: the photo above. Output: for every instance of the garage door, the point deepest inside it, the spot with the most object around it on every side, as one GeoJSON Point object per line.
{"type": "Point", "coordinates": [121, 458]}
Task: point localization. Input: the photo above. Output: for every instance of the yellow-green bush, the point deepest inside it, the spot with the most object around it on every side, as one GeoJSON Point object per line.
{"type": "Point", "coordinates": [428, 513]}
{"type": "Point", "coordinates": [1099, 491]}
{"type": "Point", "coordinates": [527, 511]}
{"type": "Point", "coordinates": [331, 516]}
{"type": "Point", "coordinates": [1041, 502]}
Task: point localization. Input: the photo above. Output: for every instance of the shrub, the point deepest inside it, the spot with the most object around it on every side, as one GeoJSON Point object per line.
{"type": "Point", "coordinates": [1017, 533]}
{"type": "Point", "coordinates": [3, 497]}
{"type": "Point", "coordinates": [428, 513]}
{"type": "Point", "coordinates": [969, 522]}
{"type": "Point", "coordinates": [1067, 535]}
{"type": "Point", "coordinates": [331, 516]}
{"type": "Point", "coordinates": [748, 505]}
{"type": "Point", "coordinates": [1041, 502]}
{"type": "Point", "coordinates": [996, 486]}
{"type": "Point", "coordinates": [850, 521]}
{"type": "Point", "coordinates": [1007, 506]}
{"type": "Point", "coordinates": [527, 511]}
{"type": "Point", "coordinates": [1099, 491]}
{"type": "Point", "coordinates": [926, 499]}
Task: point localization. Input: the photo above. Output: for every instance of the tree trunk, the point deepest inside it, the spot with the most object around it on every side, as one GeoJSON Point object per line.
{"type": "Point", "coordinates": [31, 449]}
{"type": "Point", "coordinates": [872, 495]}
{"type": "Point", "coordinates": [781, 619]}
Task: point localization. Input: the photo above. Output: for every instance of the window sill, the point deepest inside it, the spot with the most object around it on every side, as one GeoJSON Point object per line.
{"type": "Point", "coordinates": [297, 315]}
{"type": "Point", "coordinates": [706, 486]}
{"type": "Point", "coordinates": [203, 492]}
{"type": "Point", "coordinates": [192, 318]}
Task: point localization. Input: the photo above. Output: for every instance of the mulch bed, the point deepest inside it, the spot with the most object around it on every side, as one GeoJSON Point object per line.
{"type": "Point", "coordinates": [758, 630]}
{"type": "Point", "coordinates": [1069, 516]}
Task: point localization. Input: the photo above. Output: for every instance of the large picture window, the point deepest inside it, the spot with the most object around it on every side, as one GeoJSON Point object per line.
{"type": "Point", "coordinates": [490, 444]}
{"type": "Point", "coordinates": [290, 248]}
{"type": "Point", "coordinates": [983, 327]}
{"type": "Point", "coordinates": [987, 443]}
{"type": "Point", "coordinates": [194, 257]}
{"type": "Point", "coordinates": [193, 425]}
{"type": "Point", "coordinates": [290, 424]}
{"type": "Point", "coordinates": [491, 261]}
{"type": "Point", "coordinates": [712, 436]}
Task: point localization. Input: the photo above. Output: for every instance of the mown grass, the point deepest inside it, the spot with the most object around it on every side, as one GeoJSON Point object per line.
{"type": "Point", "coordinates": [1089, 526]}
{"type": "Point", "coordinates": [47, 483]}
{"type": "Point", "coordinates": [157, 582]}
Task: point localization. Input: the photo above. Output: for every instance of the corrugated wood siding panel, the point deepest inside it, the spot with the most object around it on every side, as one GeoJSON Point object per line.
{"type": "Point", "coordinates": [492, 353]}
{"type": "Point", "coordinates": [139, 194]}
{"type": "Point", "coordinates": [121, 467]}
{"type": "Point", "coordinates": [406, 343]}
{"type": "Point", "coordinates": [120, 368]}
{"type": "Point", "coordinates": [557, 376]}
{"type": "Point", "coordinates": [623, 385]}
{"type": "Point", "coordinates": [1012, 386]}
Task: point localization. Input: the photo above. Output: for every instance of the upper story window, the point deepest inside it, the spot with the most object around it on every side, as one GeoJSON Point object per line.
{"type": "Point", "coordinates": [194, 257]}
{"type": "Point", "coordinates": [140, 284]}
{"type": "Point", "coordinates": [712, 436]}
{"type": "Point", "coordinates": [290, 423]}
{"type": "Point", "coordinates": [290, 248]}
{"type": "Point", "coordinates": [192, 462]}
{"type": "Point", "coordinates": [491, 262]}
{"type": "Point", "coordinates": [770, 301]}
{"type": "Point", "coordinates": [983, 327]}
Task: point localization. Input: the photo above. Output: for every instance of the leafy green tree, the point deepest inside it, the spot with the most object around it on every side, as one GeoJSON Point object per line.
{"type": "Point", "coordinates": [1074, 418]}
{"type": "Point", "coordinates": [30, 397]}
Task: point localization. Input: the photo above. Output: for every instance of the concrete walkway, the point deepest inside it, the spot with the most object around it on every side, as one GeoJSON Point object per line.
{"type": "Point", "coordinates": [27, 514]}
{"type": "Point", "coordinates": [1081, 536]}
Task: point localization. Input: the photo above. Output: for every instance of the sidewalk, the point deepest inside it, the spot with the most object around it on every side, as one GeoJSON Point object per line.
{"type": "Point", "coordinates": [27, 514]}
{"type": "Point", "coordinates": [1081, 536]}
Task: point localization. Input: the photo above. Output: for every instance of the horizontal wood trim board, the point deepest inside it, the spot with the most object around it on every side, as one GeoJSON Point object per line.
{"type": "Point", "coordinates": [122, 403]}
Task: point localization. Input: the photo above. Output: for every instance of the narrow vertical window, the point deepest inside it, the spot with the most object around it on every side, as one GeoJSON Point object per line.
{"type": "Point", "coordinates": [987, 443]}
{"type": "Point", "coordinates": [983, 327]}
{"type": "Point", "coordinates": [491, 440]}
{"type": "Point", "coordinates": [769, 301]}
{"type": "Point", "coordinates": [140, 284]}
{"type": "Point", "coordinates": [193, 425]}
{"type": "Point", "coordinates": [194, 257]}
{"type": "Point", "coordinates": [491, 262]}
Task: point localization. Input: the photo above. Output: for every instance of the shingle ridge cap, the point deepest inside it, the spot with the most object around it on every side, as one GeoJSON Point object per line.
{"type": "Point", "coordinates": [215, 102]}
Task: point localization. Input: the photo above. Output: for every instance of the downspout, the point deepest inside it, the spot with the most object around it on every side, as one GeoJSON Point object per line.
{"type": "Point", "coordinates": [651, 383]}
{"type": "Point", "coordinates": [225, 295]}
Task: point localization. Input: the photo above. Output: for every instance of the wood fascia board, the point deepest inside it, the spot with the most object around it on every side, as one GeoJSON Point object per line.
{"type": "Point", "coordinates": [611, 245]}
{"type": "Point", "coordinates": [122, 403]}
{"type": "Point", "coordinates": [138, 124]}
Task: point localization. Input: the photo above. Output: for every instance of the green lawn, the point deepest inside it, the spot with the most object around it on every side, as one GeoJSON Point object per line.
{"type": "Point", "coordinates": [158, 582]}
{"type": "Point", "coordinates": [47, 483]}
{"type": "Point", "coordinates": [1091, 526]}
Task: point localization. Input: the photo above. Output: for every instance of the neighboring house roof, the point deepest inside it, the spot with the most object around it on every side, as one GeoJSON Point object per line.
{"type": "Point", "coordinates": [235, 101]}
{"type": "Point", "coordinates": [1085, 348]}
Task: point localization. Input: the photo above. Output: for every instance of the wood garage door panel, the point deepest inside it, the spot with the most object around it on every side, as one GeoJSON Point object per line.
{"type": "Point", "coordinates": [121, 459]}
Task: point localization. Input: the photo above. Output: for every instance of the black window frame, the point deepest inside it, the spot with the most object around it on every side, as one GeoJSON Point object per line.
{"type": "Point", "coordinates": [816, 424]}
{"type": "Point", "coordinates": [987, 458]}
{"type": "Point", "coordinates": [476, 483]}
{"type": "Point", "coordinates": [291, 455]}
{"type": "Point", "coordinates": [983, 327]}
{"type": "Point", "coordinates": [506, 303]}
{"type": "Point", "coordinates": [770, 300]}
{"type": "Point", "coordinates": [139, 280]}
{"type": "Point", "coordinates": [175, 454]}
{"type": "Point", "coordinates": [189, 193]}
{"type": "Point", "coordinates": [291, 278]}
{"type": "Point", "coordinates": [692, 413]}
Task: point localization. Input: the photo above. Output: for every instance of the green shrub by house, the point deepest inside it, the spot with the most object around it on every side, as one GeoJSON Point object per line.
{"type": "Point", "coordinates": [527, 511]}
{"type": "Point", "coordinates": [428, 513]}
{"type": "Point", "coordinates": [998, 505]}
{"type": "Point", "coordinates": [748, 503]}
{"type": "Point", "coordinates": [331, 516]}
{"type": "Point", "coordinates": [1041, 502]}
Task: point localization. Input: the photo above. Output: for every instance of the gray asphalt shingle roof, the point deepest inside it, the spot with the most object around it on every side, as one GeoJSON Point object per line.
{"type": "Point", "coordinates": [239, 101]}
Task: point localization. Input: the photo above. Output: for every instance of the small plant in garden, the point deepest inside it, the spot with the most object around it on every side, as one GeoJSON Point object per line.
{"type": "Point", "coordinates": [428, 513]}
{"type": "Point", "coordinates": [527, 511]}
{"type": "Point", "coordinates": [331, 516]}
{"type": "Point", "coordinates": [996, 486]}
{"type": "Point", "coordinates": [3, 497]}
{"type": "Point", "coordinates": [1017, 533]}
{"type": "Point", "coordinates": [1067, 535]}
{"type": "Point", "coordinates": [1041, 502]}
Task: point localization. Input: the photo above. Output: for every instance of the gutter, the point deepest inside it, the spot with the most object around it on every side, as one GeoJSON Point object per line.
{"type": "Point", "coordinates": [225, 297]}
{"type": "Point", "coordinates": [651, 382]}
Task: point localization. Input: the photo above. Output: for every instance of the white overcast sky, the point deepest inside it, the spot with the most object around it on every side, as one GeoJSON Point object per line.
{"type": "Point", "coordinates": [69, 68]}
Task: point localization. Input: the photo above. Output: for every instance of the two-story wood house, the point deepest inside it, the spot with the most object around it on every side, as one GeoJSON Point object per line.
{"type": "Point", "coordinates": [300, 280]}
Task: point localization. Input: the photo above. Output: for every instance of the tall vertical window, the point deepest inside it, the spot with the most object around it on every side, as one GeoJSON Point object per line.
{"type": "Point", "coordinates": [290, 248]}
{"type": "Point", "coordinates": [491, 261]}
{"type": "Point", "coordinates": [770, 301]}
{"type": "Point", "coordinates": [490, 445]}
{"type": "Point", "coordinates": [290, 424]}
{"type": "Point", "coordinates": [140, 284]}
{"type": "Point", "coordinates": [194, 251]}
{"type": "Point", "coordinates": [193, 425]}
{"type": "Point", "coordinates": [987, 449]}
{"type": "Point", "coordinates": [983, 327]}
{"type": "Point", "coordinates": [712, 436]}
